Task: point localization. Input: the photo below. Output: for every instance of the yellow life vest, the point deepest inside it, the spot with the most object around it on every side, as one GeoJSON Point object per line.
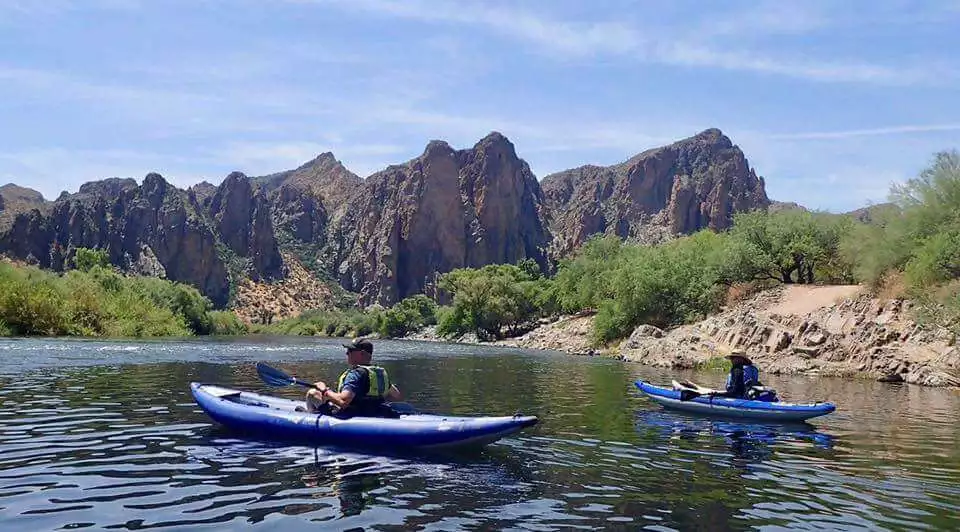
{"type": "Point", "coordinates": [378, 378]}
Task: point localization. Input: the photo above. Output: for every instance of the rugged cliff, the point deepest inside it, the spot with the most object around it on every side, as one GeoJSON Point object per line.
{"type": "Point", "coordinates": [692, 184]}
{"type": "Point", "coordinates": [153, 229]}
{"type": "Point", "coordinates": [15, 200]}
{"type": "Point", "coordinates": [242, 218]}
{"type": "Point", "coordinates": [443, 210]}
{"type": "Point", "coordinates": [387, 236]}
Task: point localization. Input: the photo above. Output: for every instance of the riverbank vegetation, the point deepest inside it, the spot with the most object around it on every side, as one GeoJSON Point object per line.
{"type": "Point", "coordinates": [407, 316]}
{"type": "Point", "coordinates": [94, 300]}
{"type": "Point", "coordinates": [908, 248]}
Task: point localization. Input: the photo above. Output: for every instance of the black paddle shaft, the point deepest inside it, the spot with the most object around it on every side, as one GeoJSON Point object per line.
{"type": "Point", "coordinates": [275, 377]}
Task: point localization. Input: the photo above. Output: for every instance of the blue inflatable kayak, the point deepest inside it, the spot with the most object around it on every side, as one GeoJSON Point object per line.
{"type": "Point", "coordinates": [741, 408]}
{"type": "Point", "coordinates": [276, 418]}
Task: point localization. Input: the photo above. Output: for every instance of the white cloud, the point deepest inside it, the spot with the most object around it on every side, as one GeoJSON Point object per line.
{"type": "Point", "coordinates": [771, 17]}
{"type": "Point", "coordinates": [675, 46]}
{"type": "Point", "coordinates": [69, 86]}
{"type": "Point", "coordinates": [583, 39]}
{"type": "Point", "coordinates": [52, 7]}
{"type": "Point", "coordinates": [892, 130]}
{"type": "Point", "coordinates": [687, 54]}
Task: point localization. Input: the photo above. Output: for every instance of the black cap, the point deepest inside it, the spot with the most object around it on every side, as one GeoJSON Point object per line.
{"type": "Point", "coordinates": [360, 345]}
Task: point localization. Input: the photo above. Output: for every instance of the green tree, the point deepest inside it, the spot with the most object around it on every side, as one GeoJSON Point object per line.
{"type": "Point", "coordinates": [935, 261]}
{"type": "Point", "coordinates": [181, 299]}
{"type": "Point", "coordinates": [660, 285]}
{"type": "Point", "coordinates": [919, 235]}
{"type": "Point", "coordinates": [85, 259]}
{"type": "Point", "coordinates": [788, 246]}
{"type": "Point", "coordinates": [582, 282]}
{"type": "Point", "coordinates": [492, 301]}
{"type": "Point", "coordinates": [410, 314]}
{"type": "Point", "coordinates": [101, 302]}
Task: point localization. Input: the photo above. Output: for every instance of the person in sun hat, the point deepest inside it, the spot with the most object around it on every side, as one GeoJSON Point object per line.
{"type": "Point", "coordinates": [361, 390]}
{"type": "Point", "coordinates": [743, 374]}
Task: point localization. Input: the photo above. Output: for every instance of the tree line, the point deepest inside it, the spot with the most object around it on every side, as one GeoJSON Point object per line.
{"type": "Point", "coordinates": [93, 299]}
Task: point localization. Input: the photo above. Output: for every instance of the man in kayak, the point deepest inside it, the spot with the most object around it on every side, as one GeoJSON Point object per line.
{"type": "Point", "coordinates": [743, 375]}
{"type": "Point", "coordinates": [361, 390]}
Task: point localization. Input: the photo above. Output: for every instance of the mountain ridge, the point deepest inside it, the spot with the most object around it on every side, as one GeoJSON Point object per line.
{"type": "Point", "coordinates": [391, 234]}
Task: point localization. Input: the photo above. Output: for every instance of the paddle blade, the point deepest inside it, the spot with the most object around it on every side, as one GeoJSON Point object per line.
{"type": "Point", "coordinates": [273, 376]}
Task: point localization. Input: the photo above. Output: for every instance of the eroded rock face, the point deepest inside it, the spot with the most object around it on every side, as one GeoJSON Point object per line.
{"type": "Point", "coordinates": [15, 200]}
{"type": "Point", "coordinates": [393, 234]}
{"type": "Point", "coordinates": [125, 219]}
{"type": "Point", "coordinates": [446, 209]}
{"type": "Point", "coordinates": [858, 335]}
{"type": "Point", "coordinates": [161, 217]}
{"type": "Point", "coordinates": [29, 238]}
{"type": "Point", "coordinates": [302, 214]}
{"type": "Point", "coordinates": [324, 178]}
{"type": "Point", "coordinates": [243, 220]}
{"type": "Point", "coordinates": [696, 183]}
{"type": "Point", "coordinates": [306, 203]}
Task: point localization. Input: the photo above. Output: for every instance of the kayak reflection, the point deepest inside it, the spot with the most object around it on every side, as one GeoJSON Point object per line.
{"type": "Point", "coordinates": [349, 482]}
{"type": "Point", "coordinates": [331, 482]}
{"type": "Point", "coordinates": [748, 440]}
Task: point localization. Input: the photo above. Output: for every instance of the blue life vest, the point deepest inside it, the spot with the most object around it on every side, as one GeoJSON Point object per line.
{"type": "Point", "coordinates": [751, 376]}
{"type": "Point", "coordinates": [752, 389]}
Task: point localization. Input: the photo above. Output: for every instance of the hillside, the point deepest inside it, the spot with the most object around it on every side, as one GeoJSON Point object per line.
{"type": "Point", "coordinates": [692, 184]}
{"type": "Point", "coordinates": [387, 236]}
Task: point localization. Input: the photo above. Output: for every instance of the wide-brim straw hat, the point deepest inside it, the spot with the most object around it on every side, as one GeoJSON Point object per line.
{"type": "Point", "coordinates": [739, 353]}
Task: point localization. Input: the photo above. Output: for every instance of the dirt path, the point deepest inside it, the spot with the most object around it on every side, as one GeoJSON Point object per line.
{"type": "Point", "coordinates": [798, 300]}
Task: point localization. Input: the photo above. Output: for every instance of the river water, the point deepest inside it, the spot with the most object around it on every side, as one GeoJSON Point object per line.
{"type": "Point", "coordinates": [106, 435]}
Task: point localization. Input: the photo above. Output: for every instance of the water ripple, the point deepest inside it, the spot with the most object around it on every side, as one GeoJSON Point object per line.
{"type": "Point", "coordinates": [92, 437]}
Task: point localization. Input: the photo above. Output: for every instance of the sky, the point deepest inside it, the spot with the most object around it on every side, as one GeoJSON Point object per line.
{"type": "Point", "coordinates": [831, 101]}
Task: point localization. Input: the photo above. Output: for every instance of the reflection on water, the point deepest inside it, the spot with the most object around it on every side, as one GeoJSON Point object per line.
{"type": "Point", "coordinates": [106, 435]}
{"type": "Point", "coordinates": [753, 441]}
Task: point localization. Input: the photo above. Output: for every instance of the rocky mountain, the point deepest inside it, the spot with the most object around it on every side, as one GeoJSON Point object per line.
{"type": "Point", "coordinates": [384, 237]}
{"type": "Point", "coordinates": [14, 200]}
{"type": "Point", "coordinates": [782, 206]}
{"type": "Point", "coordinates": [443, 210]}
{"type": "Point", "coordinates": [692, 184]}
{"type": "Point", "coordinates": [153, 228]}
{"type": "Point", "coordinates": [873, 213]}
{"type": "Point", "coordinates": [306, 201]}
{"type": "Point", "coordinates": [242, 218]}
{"type": "Point", "coordinates": [324, 177]}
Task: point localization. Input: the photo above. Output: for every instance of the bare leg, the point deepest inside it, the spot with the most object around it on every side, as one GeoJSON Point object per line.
{"type": "Point", "coordinates": [315, 405]}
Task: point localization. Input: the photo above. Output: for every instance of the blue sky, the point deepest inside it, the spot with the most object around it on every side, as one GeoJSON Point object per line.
{"type": "Point", "coordinates": [831, 101]}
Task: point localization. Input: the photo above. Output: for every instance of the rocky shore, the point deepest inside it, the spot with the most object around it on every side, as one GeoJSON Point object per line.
{"type": "Point", "coordinates": [828, 330]}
